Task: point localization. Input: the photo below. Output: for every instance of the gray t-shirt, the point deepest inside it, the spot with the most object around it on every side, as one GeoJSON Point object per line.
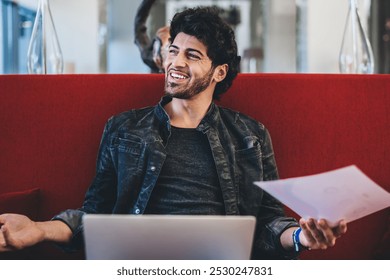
{"type": "Point", "coordinates": [188, 183]}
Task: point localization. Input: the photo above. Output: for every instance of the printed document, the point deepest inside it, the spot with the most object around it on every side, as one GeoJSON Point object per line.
{"type": "Point", "coordinates": [346, 193]}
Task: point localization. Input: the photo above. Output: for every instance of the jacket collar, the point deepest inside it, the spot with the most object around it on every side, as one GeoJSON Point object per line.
{"type": "Point", "coordinates": [210, 119]}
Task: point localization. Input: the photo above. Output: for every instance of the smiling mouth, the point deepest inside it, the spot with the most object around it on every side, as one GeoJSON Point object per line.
{"type": "Point", "coordinates": [178, 76]}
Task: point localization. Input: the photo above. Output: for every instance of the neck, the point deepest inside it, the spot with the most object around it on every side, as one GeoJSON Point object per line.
{"type": "Point", "coordinates": [187, 113]}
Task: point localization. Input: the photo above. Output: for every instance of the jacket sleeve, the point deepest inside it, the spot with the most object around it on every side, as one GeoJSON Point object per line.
{"type": "Point", "coordinates": [100, 197]}
{"type": "Point", "coordinates": [271, 219]}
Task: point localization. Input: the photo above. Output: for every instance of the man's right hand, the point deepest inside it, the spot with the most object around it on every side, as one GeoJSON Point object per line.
{"type": "Point", "coordinates": [19, 232]}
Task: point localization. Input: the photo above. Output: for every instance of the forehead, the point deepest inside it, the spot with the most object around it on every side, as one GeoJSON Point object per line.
{"type": "Point", "coordinates": [185, 41]}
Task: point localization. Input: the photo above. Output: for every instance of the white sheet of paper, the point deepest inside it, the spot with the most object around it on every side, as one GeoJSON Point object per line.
{"type": "Point", "coordinates": [346, 193]}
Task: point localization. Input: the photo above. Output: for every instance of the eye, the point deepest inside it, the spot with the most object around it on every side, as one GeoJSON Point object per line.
{"type": "Point", "coordinates": [172, 52]}
{"type": "Point", "coordinates": [193, 56]}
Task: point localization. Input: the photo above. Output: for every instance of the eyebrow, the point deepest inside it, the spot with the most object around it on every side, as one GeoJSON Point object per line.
{"type": "Point", "coordinates": [188, 50]}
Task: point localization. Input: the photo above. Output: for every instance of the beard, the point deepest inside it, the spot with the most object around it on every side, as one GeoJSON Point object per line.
{"type": "Point", "coordinates": [193, 89]}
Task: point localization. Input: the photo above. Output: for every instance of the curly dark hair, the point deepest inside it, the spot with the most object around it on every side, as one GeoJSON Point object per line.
{"type": "Point", "coordinates": [207, 26]}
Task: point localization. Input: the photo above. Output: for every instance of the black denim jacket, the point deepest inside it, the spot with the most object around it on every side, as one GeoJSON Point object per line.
{"type": "Point", "coordinates": [132, 153]}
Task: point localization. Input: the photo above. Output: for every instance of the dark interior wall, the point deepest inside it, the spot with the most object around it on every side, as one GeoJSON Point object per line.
{"type": "Point", "coordinates": [380, 34]}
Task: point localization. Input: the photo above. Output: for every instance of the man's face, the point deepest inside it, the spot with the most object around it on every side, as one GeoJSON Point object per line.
{"type": "Point", "coordinates": [188, 69]}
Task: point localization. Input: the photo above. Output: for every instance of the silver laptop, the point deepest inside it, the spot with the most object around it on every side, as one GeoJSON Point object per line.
{"type": "Point", "coordinates": [158, 237]}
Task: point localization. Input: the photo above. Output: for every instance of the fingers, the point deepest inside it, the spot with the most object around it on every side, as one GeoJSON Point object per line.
{"type": "Point", "coordinates": [307, 232]}
{"type": "Point", "coordinates": [3, 242]}
{"type": "Point", "coordinates": [3, 229]}
{"type": "Point", "coordinates": [5, 236]}
{"type": "Point", "coordinates": [319, 235]}
{"type": "Point", "coordinates": [340, 229]}
{"type": "Point", "coordinates": [10, 225]}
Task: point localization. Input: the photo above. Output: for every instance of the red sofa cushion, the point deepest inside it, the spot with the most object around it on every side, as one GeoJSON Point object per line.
{"type": "Point", "coordinates": [21, 202]}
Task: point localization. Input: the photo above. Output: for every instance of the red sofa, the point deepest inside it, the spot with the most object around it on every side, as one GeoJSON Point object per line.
{"type": "Point", "coordinates": [51, 127]}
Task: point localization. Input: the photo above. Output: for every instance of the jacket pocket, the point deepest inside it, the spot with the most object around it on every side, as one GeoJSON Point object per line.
{"type": "Point", "coordinates": [249, 164]}
{"type": "Point", "coordinates": [130, 147]}
{"type": "Point", "coordinates": [249, 170]}
{"type": "Point", "coordinates": [127, 153]}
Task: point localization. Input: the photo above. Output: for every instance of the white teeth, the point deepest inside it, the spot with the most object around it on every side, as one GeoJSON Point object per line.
{"type": "Point", "coordinates": [177, 76]}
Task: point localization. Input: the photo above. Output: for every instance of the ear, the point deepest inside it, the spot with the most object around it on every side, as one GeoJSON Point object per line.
{"type": "Point", "coordinates": [220, 72]}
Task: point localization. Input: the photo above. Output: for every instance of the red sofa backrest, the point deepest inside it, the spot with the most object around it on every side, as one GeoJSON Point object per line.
{"type": "Point", "coordinates": [51, 127]}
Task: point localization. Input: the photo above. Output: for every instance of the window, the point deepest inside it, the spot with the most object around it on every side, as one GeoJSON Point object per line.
{"type": "Point", "coordinates": [16, 25]}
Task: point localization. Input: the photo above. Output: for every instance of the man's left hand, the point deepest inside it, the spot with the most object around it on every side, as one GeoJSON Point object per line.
{"type": "Point", "coordinates": [317, 234]}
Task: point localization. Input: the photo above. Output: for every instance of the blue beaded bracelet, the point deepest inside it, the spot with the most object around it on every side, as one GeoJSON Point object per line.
{"type": "Point", "coordinates": [295, 236]}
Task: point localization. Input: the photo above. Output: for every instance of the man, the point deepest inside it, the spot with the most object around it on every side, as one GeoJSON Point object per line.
{"type": "Point", "coordinates": [153, 51]}
{"type": "Point", "coordinates": [186, 155]}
